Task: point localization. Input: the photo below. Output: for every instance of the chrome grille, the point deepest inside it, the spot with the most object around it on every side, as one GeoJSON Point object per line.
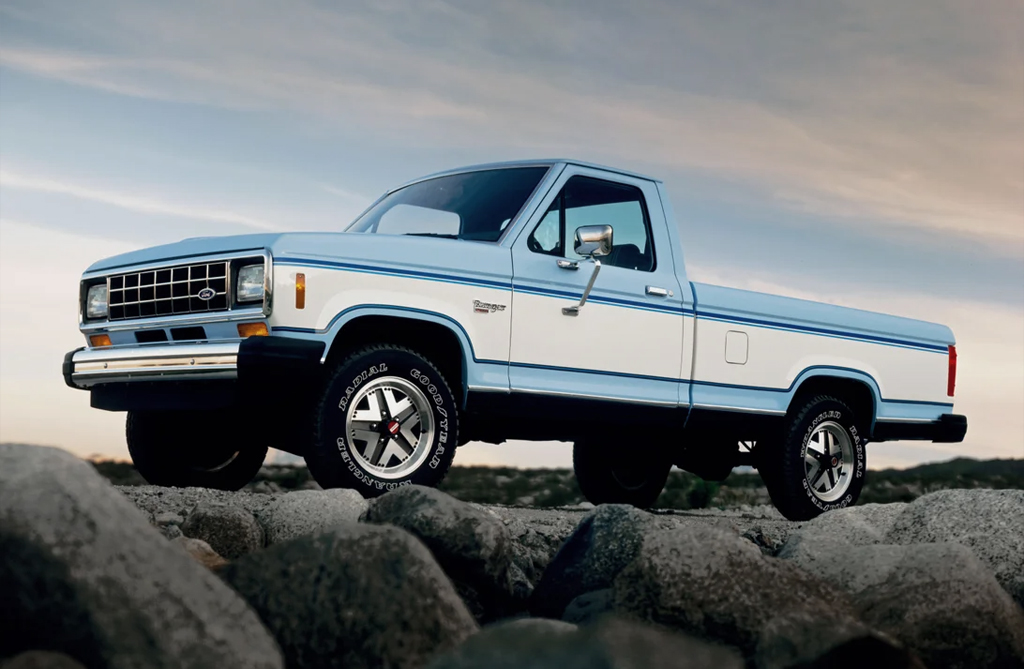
{"type": "Point", "coordinates": [168, 291]}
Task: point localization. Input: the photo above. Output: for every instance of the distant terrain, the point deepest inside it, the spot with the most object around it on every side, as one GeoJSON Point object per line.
{"type": "Point", "coordinates": [545, 488]}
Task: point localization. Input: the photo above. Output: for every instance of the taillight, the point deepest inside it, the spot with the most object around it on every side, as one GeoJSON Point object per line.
{"type": "Point", "coordinates": [951, 379]}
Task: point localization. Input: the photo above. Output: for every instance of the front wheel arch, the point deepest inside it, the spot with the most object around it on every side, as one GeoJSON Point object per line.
{"type": "Point", "coordinates": [426, 333]}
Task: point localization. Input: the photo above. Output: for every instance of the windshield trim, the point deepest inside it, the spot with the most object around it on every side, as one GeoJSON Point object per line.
{"type": "Point", "coordinates": [470, 170]}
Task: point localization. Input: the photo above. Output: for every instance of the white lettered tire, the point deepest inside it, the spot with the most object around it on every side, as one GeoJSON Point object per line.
{"type": "Point", "coordinates": [819, 463]}
{"type": "Point", "coordinates": [386, 418]}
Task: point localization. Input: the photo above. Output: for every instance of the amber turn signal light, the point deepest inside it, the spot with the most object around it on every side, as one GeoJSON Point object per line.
{"type": "Point", "coordinates": [300, 291]}
{"type": "Point", "coordinates": [252, 330]}
{"type": "Point", "coordinates": [98, 341]}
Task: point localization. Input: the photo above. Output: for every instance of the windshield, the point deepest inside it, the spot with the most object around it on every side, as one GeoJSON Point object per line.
{"type": "Point", "coordinates": [473, 205]}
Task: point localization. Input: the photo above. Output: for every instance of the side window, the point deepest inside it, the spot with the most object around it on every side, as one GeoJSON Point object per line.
{"type": "Point", "coordinates": [547, 236]}
{"type": "Point", "coordinates": [588, 201]}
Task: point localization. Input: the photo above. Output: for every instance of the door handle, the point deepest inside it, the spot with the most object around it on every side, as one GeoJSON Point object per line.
{"type": "Point", "coordinates": [568, 264]}
{"type": "Point", "coordinates": [658, 292]}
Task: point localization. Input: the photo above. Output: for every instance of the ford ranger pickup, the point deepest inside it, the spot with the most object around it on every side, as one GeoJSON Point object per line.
{"type": "Point", "coordinates": [538, 300]}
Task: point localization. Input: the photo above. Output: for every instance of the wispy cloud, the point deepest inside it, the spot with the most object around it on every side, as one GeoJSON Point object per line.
{"type": "Point", "coordinates": [819, 112]}
{"type": "Point", "coordinates": [132, 201]}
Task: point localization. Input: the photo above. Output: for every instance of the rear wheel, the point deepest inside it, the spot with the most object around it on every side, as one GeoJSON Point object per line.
{"type": "Point", "coordinates": [608, 475]}
{"type": "Point", "coordinates": [819, 462]}
{"type": "Point", "coordinates": [204, 449]}
{"type": "Point", "coordinates": [387, 418]}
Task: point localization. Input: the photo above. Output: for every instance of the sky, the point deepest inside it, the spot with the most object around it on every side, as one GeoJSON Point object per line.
{"type": "Point", "coordinates": [867, 153]}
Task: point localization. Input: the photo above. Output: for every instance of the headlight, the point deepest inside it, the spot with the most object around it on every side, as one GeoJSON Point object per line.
{"type": "Point", "coordinates": [250, 284]}
{"type": "Point", "coordinates": [96, 301]}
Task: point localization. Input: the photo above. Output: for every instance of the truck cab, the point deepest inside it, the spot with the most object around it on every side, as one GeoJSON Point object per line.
{"type": "Point", "coordinates": [543, 300]}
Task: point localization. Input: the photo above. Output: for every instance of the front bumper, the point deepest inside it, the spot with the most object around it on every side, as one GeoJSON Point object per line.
{"type": "Point", "coordinates": [178, 376]}
{"type": "Point", "coordinates": [949, 428]}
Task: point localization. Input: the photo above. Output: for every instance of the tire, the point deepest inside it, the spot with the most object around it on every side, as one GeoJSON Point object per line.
{"type": "Point", "coordinates": [605, 478]}
{"type": "Point", "coordinates": [203, 449]}
{"type": "Point", "coordinates": [360, 443]}
{"type": "Point", "coordinates": [819, 462]}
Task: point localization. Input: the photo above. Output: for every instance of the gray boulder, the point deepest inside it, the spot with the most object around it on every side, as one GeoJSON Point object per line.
{"type": "Point", "coordinates": [353, 596]}
{"type": "Point", "coordinates": [40, 659]}
{"type": "Point", "coordinates": [604, 542]}
{"type": "Point", "coordinates": [310, 511]}
{"type": "Point", "coordinates": [609, 644]}
{"type": "Point", "coordinates": [800, 640]}
{"type": "Point", "coordinates": [169, 524]}
{"type": "Point", "coordinates": [716, 585]}
{"type": "Point", "coordinates": [852, 526]}
{"type": "Point", "coordinates": [84, 573]}
{"type": "Point", "coordinates": [230, 530]}
{"type": "Point", "coordinates": [537, 534]}
{"type": "Point", "coordinates": [589, 606]}
{"type": "Point", "coordinates": [937, 599]}
{"type": "Point", "coordinates": [201, 552]}
{"type": "Point", "coordinates": [156, 500]}
{"type": "Point", "coordinates": [990, 522]}
{"type": "Point", "coordinates": [472, 546]}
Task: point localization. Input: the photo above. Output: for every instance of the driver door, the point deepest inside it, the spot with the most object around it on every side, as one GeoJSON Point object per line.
{"type": "Point", "coordinates": [626, 342]}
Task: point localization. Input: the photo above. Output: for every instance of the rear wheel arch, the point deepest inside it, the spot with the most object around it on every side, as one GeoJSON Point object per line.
{"type": "Point", "coordinates": [432, 338]}
{"type": "Point", "coordinates": [855, 392]}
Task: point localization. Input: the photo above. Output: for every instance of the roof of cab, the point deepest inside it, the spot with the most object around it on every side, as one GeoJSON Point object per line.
{"type": "Point", "coordinates": [542, 162]}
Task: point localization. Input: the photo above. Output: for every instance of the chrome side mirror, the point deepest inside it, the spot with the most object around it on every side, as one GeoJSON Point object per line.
{"type": "Point", "coordinates": [593, 241]}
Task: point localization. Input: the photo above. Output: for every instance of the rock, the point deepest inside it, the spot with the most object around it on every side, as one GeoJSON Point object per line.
{"type": "Point", "coordinates": [937, 599]}
{"type": "Point", "coordinates": [589, 606]}
{"type": "Point", "coordinates": [201, 552]}
{"type": "Point", "coordinates": [230, 530]}
{"type": "Point", "coordinates": [769, 542]}
{"type": "Point", "coordinates": [799, 640]}
{"type": "Point", "coordinates": [472, 546]}
{"type": "Point", "coordinates": [609, 644]}
{"type": "Point", "coordinates": [167, 518]}
{"type": "Point", "coordinates": [536, 536]}
{"type": "Point", "coordinates": [308, 511]}
{"type": "Point", "coordinates": [715, 585]}
{"type": "Point", "coordinates": [156, 500]}
{"type": "Point", "coordinates": [265, 488]}
{"type": "Point", "coordinates": [84, 573]}
{"type": "Point", "coordinates": [169, 524]}
{"type": "Point", "coordinates": [852, 526]}
{"type": "Point", "coordinates": [40, 659]}
{"type": "Point", "coordinates": [171, 532]}
{"type": "Point", "coordinates": [603, 543]}
{"type": "Point", "coordinates": [353, 596]}
{"type": "Point", "coordinates": [990, 522]}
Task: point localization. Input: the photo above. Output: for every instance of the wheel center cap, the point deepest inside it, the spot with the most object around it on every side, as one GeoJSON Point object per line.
{"type": "Point", "coordinates": [393, 427]}
{"type": "Point", "coordinates": [835, 461]}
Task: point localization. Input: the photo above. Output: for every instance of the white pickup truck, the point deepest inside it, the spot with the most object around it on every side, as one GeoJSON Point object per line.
{"type": "Point", "coordinates": [541, 300]}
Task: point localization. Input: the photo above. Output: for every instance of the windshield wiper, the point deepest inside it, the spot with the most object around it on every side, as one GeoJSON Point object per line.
{"type": "Point", "coordinates": [431, 234]}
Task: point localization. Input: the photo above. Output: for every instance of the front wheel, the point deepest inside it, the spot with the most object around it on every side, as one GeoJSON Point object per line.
{"type": "Point", "coordinates": [609, 474]}
{"type": "Point", "coordinates": [819, 462]}
{"type": "Point", "coordinates": [203, 449]}
{"type": "Point", "coordinates": [387, 418]}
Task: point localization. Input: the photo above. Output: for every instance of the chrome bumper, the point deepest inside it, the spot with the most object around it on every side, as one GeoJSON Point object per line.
{"type": "Point", "coordinates": [186, 362]}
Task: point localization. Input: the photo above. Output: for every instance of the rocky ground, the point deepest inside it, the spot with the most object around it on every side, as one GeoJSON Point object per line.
{"type": "Point", "coordinates": [546, 488]}
{"type": "Point", "coordinates": [95, 575]}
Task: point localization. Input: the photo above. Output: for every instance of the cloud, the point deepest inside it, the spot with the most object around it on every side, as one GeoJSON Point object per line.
{"type": "Point", "coordinates": [883, 117]}
{"type": "Point", "coordinates": [131, 201]}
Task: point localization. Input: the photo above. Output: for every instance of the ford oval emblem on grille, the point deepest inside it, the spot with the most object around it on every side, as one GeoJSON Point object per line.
{"type": "Point", "coordinates": [206, 294]}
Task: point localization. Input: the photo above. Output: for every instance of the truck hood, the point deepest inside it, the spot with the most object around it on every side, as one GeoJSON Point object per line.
{"type": "Point", "coordinates": [187, 248]}
{"type": "Point", "coordinates": [469, 260]}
